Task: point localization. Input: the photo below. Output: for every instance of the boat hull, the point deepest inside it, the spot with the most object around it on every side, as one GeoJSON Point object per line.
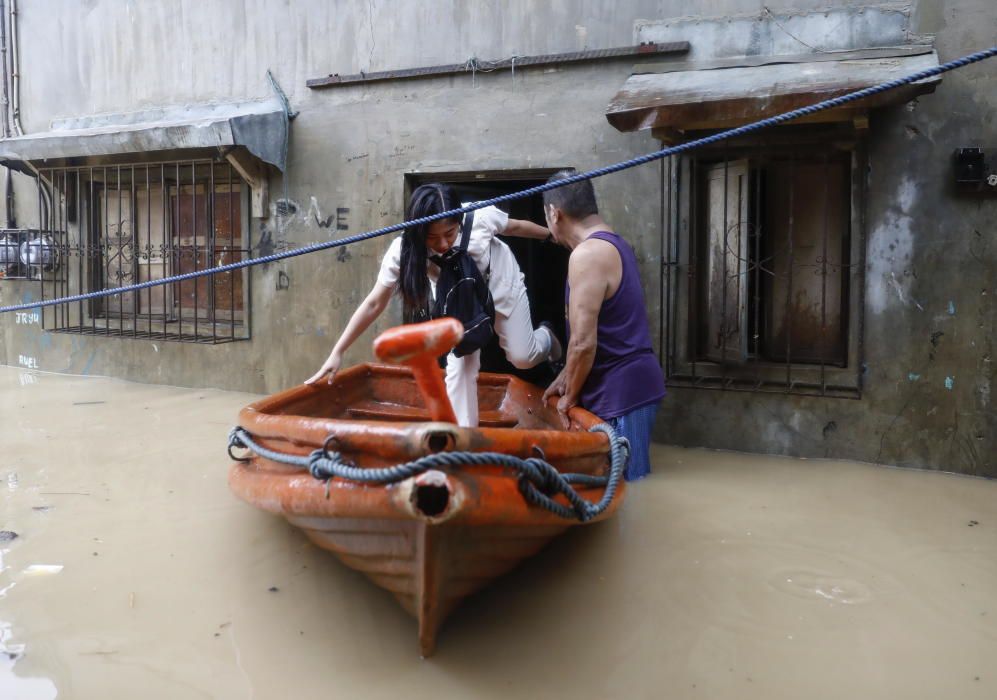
{"type": "Point", "coordinates": [432, 539]}
{"type": "Point", "coordinates": [428, 568]}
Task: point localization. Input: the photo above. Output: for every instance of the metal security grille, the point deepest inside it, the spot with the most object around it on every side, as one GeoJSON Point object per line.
{"type": "Point", "coordinates": [115, 225]}
{"type": "Point", "coordinates": [18, 247]}
{"type": "Point", "coordinates": [762, 271]}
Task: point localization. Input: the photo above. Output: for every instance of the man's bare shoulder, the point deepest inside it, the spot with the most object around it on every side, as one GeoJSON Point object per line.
{"type": "Point", "coordinates": [594, 253]}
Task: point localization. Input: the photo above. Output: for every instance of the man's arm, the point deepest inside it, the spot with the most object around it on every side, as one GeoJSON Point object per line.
{"type": "Point", "coordinates": [589, 281]}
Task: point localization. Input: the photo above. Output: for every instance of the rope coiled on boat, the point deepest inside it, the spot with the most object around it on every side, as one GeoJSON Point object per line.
{"type": "Point", "coordinates": [539, 480]}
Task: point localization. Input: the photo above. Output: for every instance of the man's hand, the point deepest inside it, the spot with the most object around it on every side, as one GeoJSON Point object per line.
{"type": "Point", "coordinates": [565, 404]}
{"type": "Point", "coordinates": [556, 387]}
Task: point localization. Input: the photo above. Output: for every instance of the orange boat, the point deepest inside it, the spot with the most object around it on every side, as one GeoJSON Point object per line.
{"type": "Point", "coordinates": [374, 469]}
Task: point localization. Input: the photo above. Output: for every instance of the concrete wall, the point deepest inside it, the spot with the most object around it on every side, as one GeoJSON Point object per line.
{"type": "Point", "coordinates": [929, 316]}
{"type": "Point", "coordinates": [350, 147]}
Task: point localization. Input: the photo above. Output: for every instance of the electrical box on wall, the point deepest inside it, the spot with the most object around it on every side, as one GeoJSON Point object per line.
{"type": "Point", "coordinates": [26, 253]}
{"type": "Point", "coordinates": [972, 171]}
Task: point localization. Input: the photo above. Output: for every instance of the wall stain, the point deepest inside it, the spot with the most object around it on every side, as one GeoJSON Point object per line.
{"type": "Point", "coordinates": [936, 339]}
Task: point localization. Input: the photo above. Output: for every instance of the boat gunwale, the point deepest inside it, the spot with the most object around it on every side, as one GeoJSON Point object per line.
{"type": "Point", "coordinates": [489, 497]}
{"type": "Point", "coordinates": [405, 440]}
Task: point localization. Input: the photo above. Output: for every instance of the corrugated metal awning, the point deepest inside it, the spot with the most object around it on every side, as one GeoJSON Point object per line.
{"type": "Point", "coordinates": [260, 127]}
{"type": "Point", "coordinates": [731, 96]}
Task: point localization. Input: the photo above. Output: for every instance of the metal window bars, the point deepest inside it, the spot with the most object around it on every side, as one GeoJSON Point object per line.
{"type": "Point", "coordinates": [25, 254]}
{"type": "Point", "coordinates": [759, 291]}
{"type": "Point", "coordinates": [118, 224]}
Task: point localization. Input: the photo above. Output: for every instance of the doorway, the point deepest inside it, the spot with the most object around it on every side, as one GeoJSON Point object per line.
{"type": "Point", "coordinates": [544, 265]}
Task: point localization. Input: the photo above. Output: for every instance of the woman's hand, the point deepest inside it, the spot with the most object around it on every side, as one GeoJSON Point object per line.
{"type": "Point", "coordinates": [368, 311]}
{"type": "Point", "coordinates": [330, 367]}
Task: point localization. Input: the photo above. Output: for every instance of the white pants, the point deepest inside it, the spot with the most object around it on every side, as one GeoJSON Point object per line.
{"type": "Point", "coordinates": [524, 348]}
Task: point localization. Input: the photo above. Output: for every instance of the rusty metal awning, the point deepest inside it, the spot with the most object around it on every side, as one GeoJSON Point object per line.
{"type": "Point", "coordinates": [716, 98]}
{"type": "Point", "coordinates": [260, 127]}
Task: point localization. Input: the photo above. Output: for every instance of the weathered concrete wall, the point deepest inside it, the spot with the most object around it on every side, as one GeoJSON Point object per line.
{"type": "Point", "coordinates": [929, 317]}
{"type": "Point", "coordinates": [350, 147]}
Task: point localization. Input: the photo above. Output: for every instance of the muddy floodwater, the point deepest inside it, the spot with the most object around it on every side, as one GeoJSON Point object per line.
{"type": "Point", "coordinates": [128, 569]}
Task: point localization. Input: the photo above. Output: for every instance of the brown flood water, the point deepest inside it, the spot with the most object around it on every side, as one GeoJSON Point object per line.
{"type": "Point", "coordinates": [136, 573]}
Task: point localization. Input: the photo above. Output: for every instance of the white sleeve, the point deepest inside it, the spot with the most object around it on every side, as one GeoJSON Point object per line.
{"type": "Point", "coordinates": [488, 223]}
{"type": "Point", "coordinates": [493, 219]}
{"type": "Point", "coordinates": [391, 265]}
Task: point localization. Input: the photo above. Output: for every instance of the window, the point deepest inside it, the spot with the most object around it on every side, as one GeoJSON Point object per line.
{"type": "Point", "coordinates": [128, 224]}
{"type": "Point", "coordinates": [768, 239]}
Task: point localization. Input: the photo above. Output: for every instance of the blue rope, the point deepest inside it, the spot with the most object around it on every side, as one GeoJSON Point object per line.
{"type": "Point", "coordinates": [578, 177]}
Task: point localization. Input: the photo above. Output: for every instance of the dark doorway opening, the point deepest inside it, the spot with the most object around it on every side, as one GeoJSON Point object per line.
{"type": "Point", "coordinates": [544, 265]}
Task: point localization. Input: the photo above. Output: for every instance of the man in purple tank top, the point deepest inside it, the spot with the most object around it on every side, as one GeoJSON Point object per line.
{"type": "Point", "coordinates": [610, 367]}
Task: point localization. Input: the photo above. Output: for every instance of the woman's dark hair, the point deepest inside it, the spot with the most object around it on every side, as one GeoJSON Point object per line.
{"type": "Point", "coordinates": [428, 199]}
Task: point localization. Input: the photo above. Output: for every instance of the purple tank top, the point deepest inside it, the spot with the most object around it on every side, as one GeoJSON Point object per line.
{"type": "Point", "coordinates": [625, 374]}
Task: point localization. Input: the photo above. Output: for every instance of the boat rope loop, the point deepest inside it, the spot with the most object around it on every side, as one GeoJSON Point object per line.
{"type": "Point", "coordinates": [539, 480]}
{"type": "Point", "coordinates": [529, 192]}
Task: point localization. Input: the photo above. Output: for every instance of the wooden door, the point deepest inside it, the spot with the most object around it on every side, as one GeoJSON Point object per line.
{"type": "Point", "coordinates": [199, 246]}
{"type": "Point", "coordinates": [805, 319]}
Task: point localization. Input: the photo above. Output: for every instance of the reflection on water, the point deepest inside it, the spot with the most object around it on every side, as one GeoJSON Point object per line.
{"type": "Point", "coordinates": [16, 687]}
{"type": "Point", "coordinates": [136, 573]}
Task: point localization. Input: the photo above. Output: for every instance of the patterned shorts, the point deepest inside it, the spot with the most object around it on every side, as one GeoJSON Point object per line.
{"type": "Point", "coordinates": [636, 427]}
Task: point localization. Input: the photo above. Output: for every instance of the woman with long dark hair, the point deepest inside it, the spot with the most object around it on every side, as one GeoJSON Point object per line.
{"type": "Point", "coordinates": [407, 268]}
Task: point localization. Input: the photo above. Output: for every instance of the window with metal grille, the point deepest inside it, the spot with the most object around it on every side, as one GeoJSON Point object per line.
{"type": "Point", "coordinates": [762, 276]}
{"type": "Point", "coordinates": [118, 225]}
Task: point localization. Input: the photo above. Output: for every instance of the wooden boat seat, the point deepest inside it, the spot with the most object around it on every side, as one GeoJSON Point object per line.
{"type": "Point", "coordinates": [375, 410]}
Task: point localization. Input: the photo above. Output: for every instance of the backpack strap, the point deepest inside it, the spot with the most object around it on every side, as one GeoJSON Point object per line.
{"type": "Point", "coordinates": [465, 240]}
{"type": "Point", "coordinates": [465, 231]}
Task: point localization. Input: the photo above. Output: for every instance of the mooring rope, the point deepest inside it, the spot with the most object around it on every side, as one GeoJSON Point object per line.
{"type": "Point", "coordinates": [578, 177]}
{"type": "Point", "coordinates": [539, 480]}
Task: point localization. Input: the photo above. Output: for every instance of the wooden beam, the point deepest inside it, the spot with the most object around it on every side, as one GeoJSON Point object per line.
{"type": "Point", "coordinates": [754, 61]}
{"type": "Point", "coordinates": [669, 135]}
{"type": "Point", "coordinates": [253, 173]}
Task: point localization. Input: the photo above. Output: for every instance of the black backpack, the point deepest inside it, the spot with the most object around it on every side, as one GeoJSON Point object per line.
{"type": "Point", "coordinates": [462, 293]}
